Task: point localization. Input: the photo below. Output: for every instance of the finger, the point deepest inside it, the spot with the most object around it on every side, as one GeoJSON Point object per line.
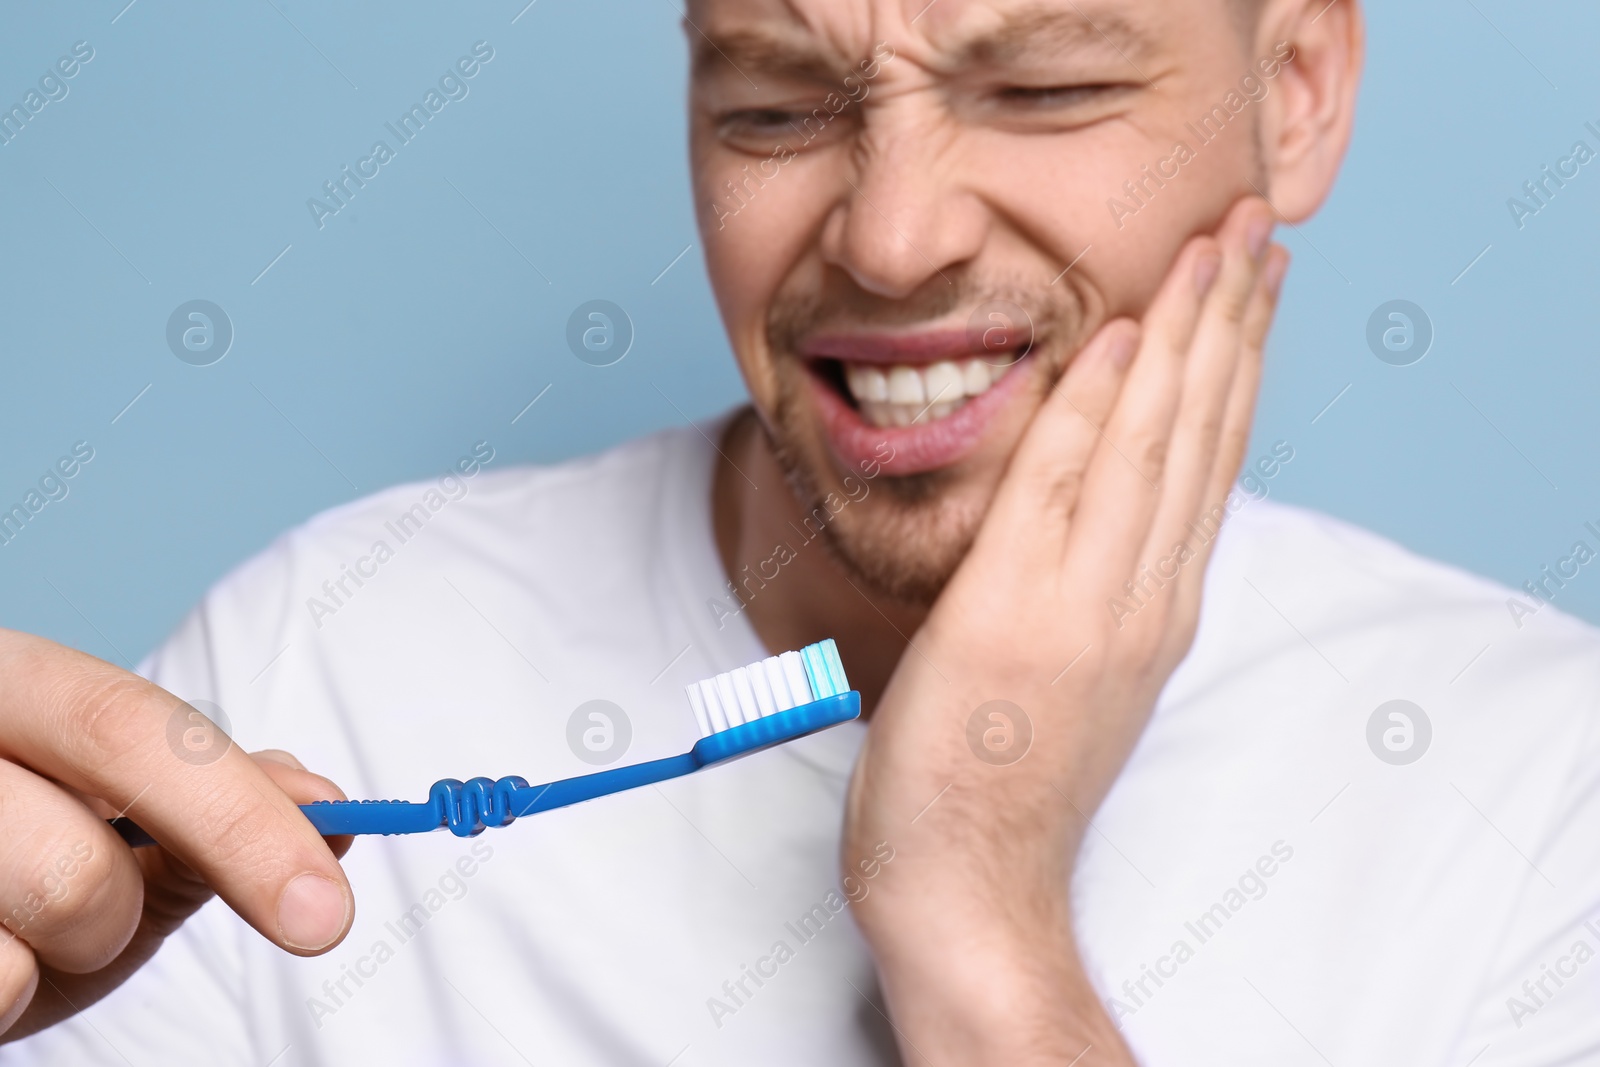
{"type": "Point", "coordinates": [303, 787]}
{"type": "Point", "coordinates": [103, 731]}
{"type": "Point", "coordinates": [1121, 484]}
{"type": "Point", "coordinates": [1246, 386]}
{"type": "Point", "coordinates": [1235, 433]}
{"type": "Point", "coordinates": [19, 979]}
{"type": "Point", "coordinates": [1209, 373]}
{"type": "Point", "coordinates": [69, 887]}
{"type": "Point", "coordinates": [1046, 472]}
{"type": "Point", "coordinates": [279, 756]}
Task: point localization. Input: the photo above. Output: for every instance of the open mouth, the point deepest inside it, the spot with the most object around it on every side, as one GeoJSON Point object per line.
{"type": "Point", "coordinates": [903, 394]}
{"type": "Point", "coordinates": [928, 399]}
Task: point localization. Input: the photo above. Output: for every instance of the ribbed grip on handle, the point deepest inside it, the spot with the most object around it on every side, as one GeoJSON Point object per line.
{"type": "Point", "coordinates": [466, 808]}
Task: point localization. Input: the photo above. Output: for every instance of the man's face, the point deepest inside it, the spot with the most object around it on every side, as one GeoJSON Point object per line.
{"type": "Point", "coordinates": [915, 214]}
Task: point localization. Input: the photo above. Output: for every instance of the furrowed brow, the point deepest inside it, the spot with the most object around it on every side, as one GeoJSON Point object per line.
{"type": "Point", "coordinates": [1046, 32]}
{"type": "Point", "coordinates": [757, 53]}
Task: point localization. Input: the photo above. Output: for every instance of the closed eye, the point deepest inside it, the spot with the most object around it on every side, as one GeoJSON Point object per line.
{"type": "Point", "coordinates": [755, 120]}
{"type": "Point", "coordinates": [759, 129]}
{"type": "Point", "coordinates": [1049, 108]}
{"type": "Point", "coordinates": [1030, 97]}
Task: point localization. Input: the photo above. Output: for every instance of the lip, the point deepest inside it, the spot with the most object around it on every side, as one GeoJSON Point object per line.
{"type": "Point", "coordinates": [927, 346]}
{"type": "Point", "coordinates": [920, 448]}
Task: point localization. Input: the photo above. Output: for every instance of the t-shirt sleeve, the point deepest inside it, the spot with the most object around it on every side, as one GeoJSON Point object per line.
{"type": "Point", "coordinates": [187, 1004]}
{"type": "Point", "coordinates": [1540, 1003]}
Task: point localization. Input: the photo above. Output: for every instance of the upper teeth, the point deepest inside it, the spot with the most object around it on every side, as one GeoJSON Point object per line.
{"type": "Point", "coordinates": [901, 395]}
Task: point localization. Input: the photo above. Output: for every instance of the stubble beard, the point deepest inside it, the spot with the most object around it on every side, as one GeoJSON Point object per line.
{"type": "Point", "coordinates": [904, 538]}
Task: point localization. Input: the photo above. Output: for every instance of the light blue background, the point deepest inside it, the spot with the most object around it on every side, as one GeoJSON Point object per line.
{"type": "Point", "coordinates": [379, 348]}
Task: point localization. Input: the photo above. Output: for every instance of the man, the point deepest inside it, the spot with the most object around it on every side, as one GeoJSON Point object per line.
{"type": "Point", "coordinates": [998, 276]}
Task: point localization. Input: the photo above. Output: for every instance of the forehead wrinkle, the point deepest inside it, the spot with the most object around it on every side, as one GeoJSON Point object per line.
{"type": "Point", "coordinates": [1048, 30]}
{"type": "Point", "coordinates": [758, 51]}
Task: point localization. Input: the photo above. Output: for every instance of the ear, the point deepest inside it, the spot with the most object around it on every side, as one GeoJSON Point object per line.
{"type": "Point", "coordinates": [1306, 123]}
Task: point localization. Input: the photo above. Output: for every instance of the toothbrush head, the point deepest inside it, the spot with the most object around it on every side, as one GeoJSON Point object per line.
{"type": "Point", "coordinates": [771, 701]}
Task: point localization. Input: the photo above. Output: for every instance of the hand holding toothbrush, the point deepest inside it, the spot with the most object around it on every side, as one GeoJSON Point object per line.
{"type": "Point", "coordinates": [80, 741]}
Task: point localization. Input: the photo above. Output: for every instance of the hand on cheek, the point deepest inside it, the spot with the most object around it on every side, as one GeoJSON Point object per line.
{"type": "Point", "coordinates": [1107, 501]}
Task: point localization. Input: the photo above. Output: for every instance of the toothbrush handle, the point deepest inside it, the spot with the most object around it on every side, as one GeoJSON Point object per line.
{"type": "Point", "coordinates": [465, 808]}
{"type": "Point", "coordinates": [331, 818]}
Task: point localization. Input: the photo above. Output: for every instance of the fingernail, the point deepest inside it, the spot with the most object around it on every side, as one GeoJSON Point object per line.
{"type": "Point", "coordinates": [1205, 271]}
{"type": "Point", "coordinates": [1256, 239]}
{"type": "Point", "coordinates": [278, 755]}
{"type": "Point", "coordinates": [312, 912]}
{"type": "Point", "coordinates": [1122, 351]}
{"type": "Point", "coordinates": [1275, 272]}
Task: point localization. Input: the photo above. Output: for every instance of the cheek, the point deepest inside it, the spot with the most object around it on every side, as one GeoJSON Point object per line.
{"type": "Point", "coordinates": [1055, 186]}
{"type": "Point", "coordinates": [1068, 193]}
{"type": "Point", "coordinates": [743, 280]}
{"type": "Point", "coordinates": [757, 239]}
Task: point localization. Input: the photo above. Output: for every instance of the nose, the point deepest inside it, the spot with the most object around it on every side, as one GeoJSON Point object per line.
{"type": "Point", "coordinates": [904, 217]}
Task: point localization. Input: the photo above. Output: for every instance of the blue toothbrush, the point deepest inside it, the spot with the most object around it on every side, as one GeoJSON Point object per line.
{"type": "Point", "coordinates": [742, 711]}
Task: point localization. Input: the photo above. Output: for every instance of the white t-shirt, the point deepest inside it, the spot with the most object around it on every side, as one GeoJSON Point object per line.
{"type": "Point", "coordinates": [1260, 887]}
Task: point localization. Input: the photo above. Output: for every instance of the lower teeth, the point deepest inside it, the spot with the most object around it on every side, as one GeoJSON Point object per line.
{"type": "Point", "coordinates": [883, 413]}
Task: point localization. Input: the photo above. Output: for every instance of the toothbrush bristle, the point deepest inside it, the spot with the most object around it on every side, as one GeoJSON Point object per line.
{"type": "Point", "coordinates": [772, 671]}
{"type": "Point", "coordinates": [729, 699]}
{"type": "Point", "coordinates": [794, 676]}
{"type": "Point", "coordinates": [767, 687]}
